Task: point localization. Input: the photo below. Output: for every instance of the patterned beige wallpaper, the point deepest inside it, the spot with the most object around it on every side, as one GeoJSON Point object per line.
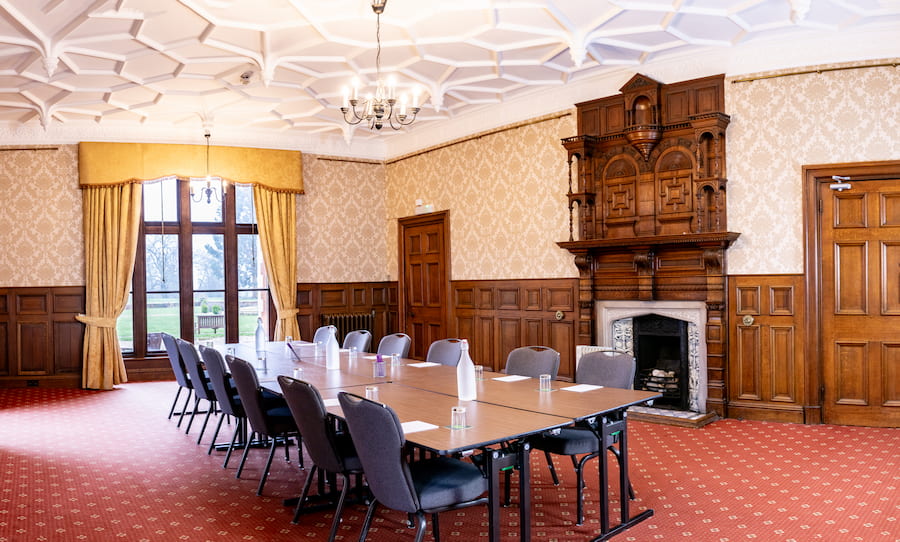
{"type": "Point", "coordinates": [506, 196]}
{"type": "Point", "coordinates": [505, 191]}
{"type": "Point", "coordinates": [340, 221]}
{"type": "Point", "coordinates": [41, 238]}
{"type": "Point", "coordinates": [780, 125]}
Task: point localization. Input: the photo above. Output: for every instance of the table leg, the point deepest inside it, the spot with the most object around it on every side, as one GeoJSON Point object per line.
{"type": "Point", "coordinates": [496, 461]}
{"type": "Point", "coordinates": [605, 432]}
{"type": "Point", "coordinates": [492, 468]}
{"type": "Point", "coordinates": [524, 490]}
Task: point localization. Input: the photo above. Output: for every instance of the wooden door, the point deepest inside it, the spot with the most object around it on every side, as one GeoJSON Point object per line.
{"type": "Point", "coordinates": [860, 300]}
{"type": "Point", "coordinates": [424, 281]}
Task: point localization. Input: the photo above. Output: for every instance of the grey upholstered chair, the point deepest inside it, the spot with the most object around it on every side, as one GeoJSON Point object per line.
{"type": "Point", "coordinates": [360, 338]}
{"type": "Point", "coordinates": [428, 486]}
{"type": "Point", "coordinates": [533, 361]}
{"type": "Point", "coordinates": [608, 368]}
{"type": "Point", "coordinates": [181, 375]}
{"type": "Point", "coordinates": [445, 352]}
{"type": "Point", "coordinates": [330, 450]}
{"type": "Point", "coordinates": [395, 343]}
{"type": "Point", "coordinates": [203, 390]}
{"type": "Point", "coordinates": [321, 334]}
{"type": "Point", "coordinates": [227, 395]}
{"type": "Point", "coordinates": [268, 419]}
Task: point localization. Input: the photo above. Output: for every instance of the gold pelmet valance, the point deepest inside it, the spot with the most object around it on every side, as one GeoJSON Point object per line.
{"type": "Point", "coordinates": [105, 164]}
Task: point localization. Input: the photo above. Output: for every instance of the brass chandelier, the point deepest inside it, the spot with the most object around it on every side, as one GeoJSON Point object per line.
{"type": "Point", "coordinates": [384, 106]}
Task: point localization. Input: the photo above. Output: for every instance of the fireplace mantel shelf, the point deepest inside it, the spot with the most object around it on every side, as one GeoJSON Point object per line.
{"type": "Point", "coordinates": [713, 239]}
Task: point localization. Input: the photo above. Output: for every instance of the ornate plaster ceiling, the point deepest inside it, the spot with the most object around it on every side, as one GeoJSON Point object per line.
{"type": "Point", "coordinates": [278, 66]}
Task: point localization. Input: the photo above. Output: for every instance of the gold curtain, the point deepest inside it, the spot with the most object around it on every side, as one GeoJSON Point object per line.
{"type": "Point", "coordinates": [112, 218]}
{"type": "Point", "coordinates": [276, 216]}
{"type": "Point", "coordinates": [102, 163]}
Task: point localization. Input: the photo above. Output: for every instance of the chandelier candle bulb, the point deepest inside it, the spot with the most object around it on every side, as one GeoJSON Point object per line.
{"type": "Point", "coordinates": [392, 87]}
{"type": "Point", "coordinates": [345, 100]}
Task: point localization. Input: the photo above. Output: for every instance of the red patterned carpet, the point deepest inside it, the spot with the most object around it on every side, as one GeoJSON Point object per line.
{"type": "Point", "coordinates": [79, 465]}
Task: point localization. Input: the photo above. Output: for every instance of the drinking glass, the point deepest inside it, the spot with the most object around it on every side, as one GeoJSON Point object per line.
{"type": "Point", "coordinates": [479, 372]}
{"type": "Point", "coordinates": [395, 359]}
{"type": "Point", "coordinates": [298, 373]}
{"type": "Point", "coordinates": [372, 393]}
{"type": "Point", "coordinates": [545, 383]}
{"type": "Point", "coordinates": [457, 417]}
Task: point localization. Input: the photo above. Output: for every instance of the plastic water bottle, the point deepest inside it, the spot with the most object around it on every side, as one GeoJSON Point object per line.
{"type": "Point", "coordinates": [465, 374]}
{"type": "Point", "coordinates": [332, 352]}
{"type": "Point", "coordinates": [261, 339]}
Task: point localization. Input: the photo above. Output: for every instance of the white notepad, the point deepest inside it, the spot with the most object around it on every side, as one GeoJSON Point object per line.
{"type": "Point", "coordinates": [582, 388]}
{"type": "Point", "coordinates": [511, 378]}
{"type": "Point", "coordinates": [416, 425]}
{"type": "Point", "coordinates": [424, 364]}
{"type": "Point", "coordinates": [331, 402]}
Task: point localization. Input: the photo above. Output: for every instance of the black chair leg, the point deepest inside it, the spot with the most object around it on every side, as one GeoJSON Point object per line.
{"type": "Point", "coordinates": [368, 521]}
{"type": "Point", "coordinates": [237, 430]}
{"type": "Point", "coordinates": [265, 473]}
{"type": "Point", "coordinates": [187, 401]}
{"type": "Point", "coordinates": [435, 527]}
{"type": "Point", "coordinates": [212, 443]}
{"type": "Point", "coordinates": [209, 411]}
{"type": "Point", "coordinates": [579, 474]}
{"type": "Point", "coordinates": [421, 525]}
{"type": "Point", "coordinates": [175, 402]}
{"type": "Point", "coordinates": [552, 468]}
{"type": "Point", "coordinates": [193, 413]}
{"type": "Point", "coordinates": [244, 455]}
{"type": "Point", "coordinates": [303, 494]}
{"type": "Point", "coordinates": [340, 507]}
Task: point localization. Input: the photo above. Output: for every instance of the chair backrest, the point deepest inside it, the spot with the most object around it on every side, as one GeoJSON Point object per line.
{"type": "Point", "coordinates": [360, 338]}
{"type": "Point", "coordinates": [445, 352]}
{"type": "Point", "coordinates": [610, 368]}
{"type": "Point", "coordinates": [321, 334]}
{"type": "Point", "coordinates": [247, 384]}
{"type": "Point", "coordinates": [395, 343]}
{"type": "Point", "coordinates": [181, 375]}
{"type": "Point", "coordinates": [191, 358]}
{"type": "Point", "coordinates": [221, 382]}
{"type": "Point", "coordinates": [379, 441]}
{"type": "Point", "coordinates": [312, 420]}
{"type": "Point", "coordinates": [533, 361]}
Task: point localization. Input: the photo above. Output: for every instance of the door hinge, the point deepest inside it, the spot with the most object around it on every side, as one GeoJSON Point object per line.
{"type": "Point", "coordinates": [821, 394]}
{"type": "Point", "coordinates": [821, 206]}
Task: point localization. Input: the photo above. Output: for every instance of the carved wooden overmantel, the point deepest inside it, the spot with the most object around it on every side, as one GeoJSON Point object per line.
{"type": "Point", "coordinates": [647, 207]}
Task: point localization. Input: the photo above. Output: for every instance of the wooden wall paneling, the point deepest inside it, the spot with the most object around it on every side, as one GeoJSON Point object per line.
{"type": "Point", "coordinates": [533, 331]}
{"type": "Point", "coordinates": [68, 344]}
{"type": "Point", "coordinates": [33, 347]}
{"type": "Point", "coordinates": [562, 338]}
{"type": "Point", "coordinates": [766, 361]}
{"type": "Point", "coordinates": [503, 315]}
{"type": "Point", "coordinates": [890, 371]}
{"type": "Point", "coordinates": [509, 337]}
{"type": "Point", "coordinates": [314, 299]}
{"type": "Point", "coordinates": [5, 322]}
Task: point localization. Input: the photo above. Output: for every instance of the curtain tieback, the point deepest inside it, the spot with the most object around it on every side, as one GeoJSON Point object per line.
{"type": "Point", "coordinates": [284, 314]}
{"type": "Point", "coordinates": [96, 321]}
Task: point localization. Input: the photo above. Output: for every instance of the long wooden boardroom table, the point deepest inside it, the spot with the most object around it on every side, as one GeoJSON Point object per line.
{"type": "Point", "coordinates": [503, 412]}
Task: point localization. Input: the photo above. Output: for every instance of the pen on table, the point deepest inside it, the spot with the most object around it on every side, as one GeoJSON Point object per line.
{"type": "Point", "coordinates": [293, 351]}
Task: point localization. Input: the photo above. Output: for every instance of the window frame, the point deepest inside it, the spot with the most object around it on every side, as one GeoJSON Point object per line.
{"type": "Point", "coordinates": [185, 229]}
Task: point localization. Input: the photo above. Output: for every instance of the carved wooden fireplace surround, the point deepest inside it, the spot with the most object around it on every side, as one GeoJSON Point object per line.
{"type": "Point", "coordinates": [647, 179]}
